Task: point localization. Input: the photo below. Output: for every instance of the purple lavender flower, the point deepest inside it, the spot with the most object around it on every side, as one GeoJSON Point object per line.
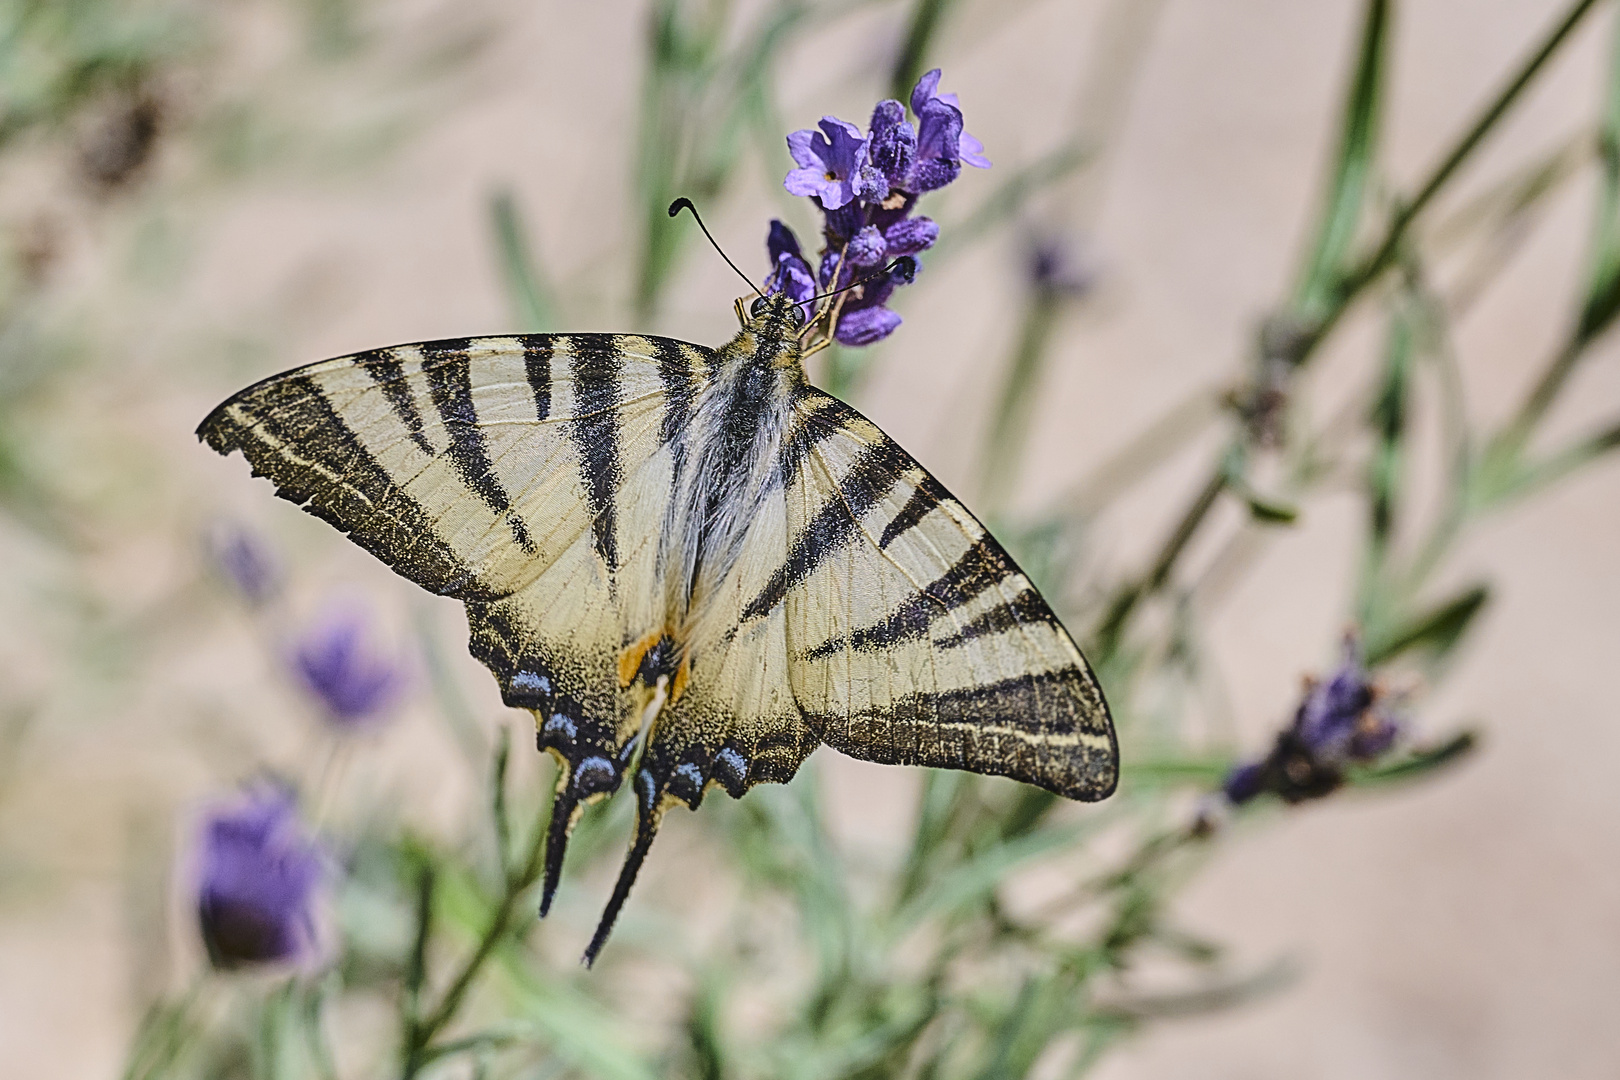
{"type": "Point", "coordinates": [942, 145]}
{"type": "Point", "coordinates": [353, 684]}
{"type": "Point", "coordinates": [911, 235]}
{"type": "Point", "coordinates": [259, 880]}
{"type": "Point", "coordinates": [790, 273]}
{"type": "Point", "coordinates": [833, 166]}
{"type": "Point", "coordinates": [893, 146]}
{"type": "Point", "coordinates": [865, 187]}
{"type": "Point", "coordinates": [970, 150]}
{"type": "Point", "coordinates": [245, 562]}
{"type": "Point", "coordinates": [1338, 723]}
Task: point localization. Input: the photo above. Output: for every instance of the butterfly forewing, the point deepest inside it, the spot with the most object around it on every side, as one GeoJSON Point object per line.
{"type": "Point", "coordinates": [914, 638]}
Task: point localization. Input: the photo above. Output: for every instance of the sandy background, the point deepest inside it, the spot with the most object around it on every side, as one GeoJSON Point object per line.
{"type": "Point", "coordinates": [1470, 928]}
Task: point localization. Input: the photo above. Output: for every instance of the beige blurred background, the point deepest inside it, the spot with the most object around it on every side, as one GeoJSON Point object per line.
{"type": "Point", "coordinates": [1467, 928]}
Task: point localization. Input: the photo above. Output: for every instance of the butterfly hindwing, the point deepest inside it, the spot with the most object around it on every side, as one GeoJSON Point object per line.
{"type": "Point", "coordinates": [914, 638]}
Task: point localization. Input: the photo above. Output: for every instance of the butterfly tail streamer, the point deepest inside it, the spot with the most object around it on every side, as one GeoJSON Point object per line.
{"type": "Point", "coordinates": [650, 807]}
{"type": "Point", "coordinates": [565, 812]}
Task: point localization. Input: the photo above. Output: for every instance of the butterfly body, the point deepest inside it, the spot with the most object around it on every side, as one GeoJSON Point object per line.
{"type": "Point", "coordinates": [688, 551]}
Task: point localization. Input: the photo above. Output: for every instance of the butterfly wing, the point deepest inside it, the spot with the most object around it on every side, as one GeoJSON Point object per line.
{"type": "Point", "coordinates": [913, 637]}
{"type": "Point", "coordinates": [526, 476]}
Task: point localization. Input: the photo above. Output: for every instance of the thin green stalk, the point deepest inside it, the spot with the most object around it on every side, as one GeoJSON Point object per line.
{"type": "Point", "coordinates": [1009, 425]}
{"type": "Point", "coordinates": [1129, 596]}
{"type": "Point", "coordinates": [1358, 140]}
{"type": "Point", "coordinates": [419, 1048]}
{"type": "Point", "coordinates": [926, 18]}
{"type": "Point", "coordinates": [531, 307]}
{"type": "Point", "coordinates": [1387, 420]}
{"type": "Point", "coordinates": [1384, 254]}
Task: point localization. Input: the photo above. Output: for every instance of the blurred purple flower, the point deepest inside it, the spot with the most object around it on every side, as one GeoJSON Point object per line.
{"type": "Point", "coordinates": [1339, 722]}
{"type": "Point", "coordinates": [1053, 268]}
{"type": "Point", "coordinates": [245, 562]}
{"type": "Point", "coordinates": [865, 187]}
{"type": "Point", "coordinates": [353, 684]}
{"type": "Point", "coordinates": [259, 880]}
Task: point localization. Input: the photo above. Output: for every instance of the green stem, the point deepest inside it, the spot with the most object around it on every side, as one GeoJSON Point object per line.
{"type": "Point", "coordinates": [419, 1049]}
{"type": "Point", "coordinates": [1383, 255]}
{"type": "Point", "coordinates": [926, 16]}
{"type": "Point", "coordinates": [528, 299]}
{"type": "Point", "coordinates": [1009, 428]}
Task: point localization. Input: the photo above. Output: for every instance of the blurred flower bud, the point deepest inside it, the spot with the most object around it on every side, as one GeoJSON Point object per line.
{"type": "Point", "coordinates": [1338, 723]}
{"type": "Point", "coordinates": [344, 672]}
{"type": "Point", "coordinates": [259, 880]}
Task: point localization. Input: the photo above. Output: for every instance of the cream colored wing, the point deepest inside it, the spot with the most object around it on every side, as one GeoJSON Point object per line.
{"type": "Point", "coordinates": [912, 637]}
{"type": "Point", "coordinates": [527, 476]}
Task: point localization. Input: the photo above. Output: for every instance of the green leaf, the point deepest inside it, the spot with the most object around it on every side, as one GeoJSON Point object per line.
{"type": "Point", "coordinates": [1603, 279]}
{"type": "Point", "coordinates": [1436, 631]}
{"type": "Point", "coordinates": [975, 880]}
{"type": "Point", "coordinates": [1215, 997]}
{"type": "Point", "coordinates": [1171, 770]}
{"type": "Point", "coordinates": [1269, 511]}
{"type": "Point", "coordinates": [531, 306]}
{"type": "Point", "coordinates": [1388, 422]}
{"type": "Point", "coordinates": [1352, 170]}
{"type": "Point", "coordinates": [1419, 762]}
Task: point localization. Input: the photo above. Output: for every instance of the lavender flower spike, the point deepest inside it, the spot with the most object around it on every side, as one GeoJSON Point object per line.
{"type": "Point", "coordinates": [1339, 722]}
{"type": "Point", "coordinates": [352, 684]}
{"type": "Point", "coordinates": [790, 273]}
{"type": "Point", "coordinates": [259, 880]}
{"type": "Point", "coordinates": [833, 166]}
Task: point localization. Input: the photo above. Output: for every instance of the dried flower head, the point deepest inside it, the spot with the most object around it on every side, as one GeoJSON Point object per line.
{"type": "Point", "coordinates": [1339, 722]}
{"type": "Point", "coordinates": [259, 879]}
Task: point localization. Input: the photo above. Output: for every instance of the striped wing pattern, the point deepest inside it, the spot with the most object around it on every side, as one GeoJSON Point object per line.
{"type": "Point", "coordinates": [522, 475]}
{"type": "Point", "coordinates": [553, 482]}
{"type": "Point", "coordinates": [913, 637]}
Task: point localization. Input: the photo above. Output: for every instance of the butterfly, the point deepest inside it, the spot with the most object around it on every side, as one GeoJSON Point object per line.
{"type": "Point", "coordinates": [687, 552]}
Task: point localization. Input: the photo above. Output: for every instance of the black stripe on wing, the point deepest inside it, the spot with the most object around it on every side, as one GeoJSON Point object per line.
{"type": "Point", "coordinates": [449, 376]}
{"type": "Point", "coordinates": [389, 375]}
{"type": "Point", "coordinates": [537, 352]}
{"type": "Point", "coordinates": [835, 525]}
{"type": "Point", "coordinates": [1022, 727]}
{"type": "Point", "coordinates": [596, 372]}
{"type": "Point", "coordinates": [334, 477]}
{"type": "Point", "coordinates": [982, 566]}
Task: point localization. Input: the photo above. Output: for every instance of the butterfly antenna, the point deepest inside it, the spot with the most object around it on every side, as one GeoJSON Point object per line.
{"type": "Point", "coordinates": [683, 203]}
{"type": "Point", "coordinates": [906, 261]}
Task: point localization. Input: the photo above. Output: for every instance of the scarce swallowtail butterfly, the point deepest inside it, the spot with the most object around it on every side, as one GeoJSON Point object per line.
{"type": "Point", "coordinates": [639, 526]}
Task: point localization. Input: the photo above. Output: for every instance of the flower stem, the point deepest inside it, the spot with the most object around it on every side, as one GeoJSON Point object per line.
{"type": "Point", "coordinates": [1350, 287]}
{"type": "Point", "coordinates": [419, 1050]}
{"type": "Point", "coordinates": [926, 16]}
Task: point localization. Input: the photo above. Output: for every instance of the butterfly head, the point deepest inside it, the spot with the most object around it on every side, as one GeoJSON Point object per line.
{"type": "Point", "coordinates": [776, 315]}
